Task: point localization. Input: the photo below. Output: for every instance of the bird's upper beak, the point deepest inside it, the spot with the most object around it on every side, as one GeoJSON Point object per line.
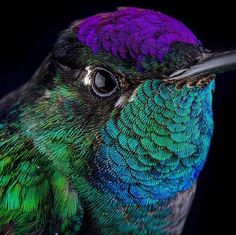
{"type": "Point", "coordinates": [211, 63]}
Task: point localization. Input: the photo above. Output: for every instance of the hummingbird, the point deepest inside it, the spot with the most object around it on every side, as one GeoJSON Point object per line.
{"type": "Point", "coordinates": [111, 132]}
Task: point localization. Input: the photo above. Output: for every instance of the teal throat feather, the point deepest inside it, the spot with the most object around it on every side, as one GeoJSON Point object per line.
{"type": "Point", "coordinates": [158, 144]}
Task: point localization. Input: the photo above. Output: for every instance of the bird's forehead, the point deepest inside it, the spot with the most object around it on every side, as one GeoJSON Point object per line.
{"type": "Point", "coordinates": [133, 34]}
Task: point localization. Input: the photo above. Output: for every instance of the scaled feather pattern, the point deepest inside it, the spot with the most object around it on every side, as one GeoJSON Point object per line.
{"type": "Point", "coordinates": [97, 142]}
{"type": "Point", "coordinates": [133, 33]}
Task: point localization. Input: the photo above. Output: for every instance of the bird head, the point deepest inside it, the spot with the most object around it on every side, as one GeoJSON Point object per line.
{"type": "Point", "coordinates": [125, 101]}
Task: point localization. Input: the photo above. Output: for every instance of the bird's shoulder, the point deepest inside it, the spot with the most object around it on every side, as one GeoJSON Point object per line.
{"type": "Point", "coordinates": [34, 196]}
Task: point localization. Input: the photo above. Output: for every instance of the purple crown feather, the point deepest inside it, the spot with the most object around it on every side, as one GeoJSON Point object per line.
{"type": "Point", "coordinates": [133, 33]}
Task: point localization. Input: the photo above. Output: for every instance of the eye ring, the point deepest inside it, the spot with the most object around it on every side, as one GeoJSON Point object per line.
{"type": "Point", "coordinates": [104, 83]}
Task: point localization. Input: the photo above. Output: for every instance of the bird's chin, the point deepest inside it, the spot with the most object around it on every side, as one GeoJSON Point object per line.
{"type": "Point", "coordinates": [191, 82]}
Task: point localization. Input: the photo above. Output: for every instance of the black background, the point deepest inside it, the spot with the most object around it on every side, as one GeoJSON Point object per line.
{"type": "Point", "coordinates": [29, 30]}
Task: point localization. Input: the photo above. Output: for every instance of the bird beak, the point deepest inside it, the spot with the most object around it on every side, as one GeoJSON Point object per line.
{"type": "Point", "coordinates": [211, 63]}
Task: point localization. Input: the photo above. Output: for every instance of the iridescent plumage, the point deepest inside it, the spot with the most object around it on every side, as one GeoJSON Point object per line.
{"type": "Point", "coordinates": [102, 139]}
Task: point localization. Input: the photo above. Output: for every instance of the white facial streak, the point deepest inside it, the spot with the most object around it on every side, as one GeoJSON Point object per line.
{"type": "Point", "coordinates": [87, 79]}
{"type": "Point", "coordinates": [133, 95]}
{"type": "Point", "coordinates": [121, 101]}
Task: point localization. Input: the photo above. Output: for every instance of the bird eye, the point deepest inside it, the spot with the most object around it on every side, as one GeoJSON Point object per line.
{"type": "Point", "coordinates": [104, 83]}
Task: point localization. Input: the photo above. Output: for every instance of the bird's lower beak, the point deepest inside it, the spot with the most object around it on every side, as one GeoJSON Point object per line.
{"type": "Point", "coordinates": [212, 63]}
